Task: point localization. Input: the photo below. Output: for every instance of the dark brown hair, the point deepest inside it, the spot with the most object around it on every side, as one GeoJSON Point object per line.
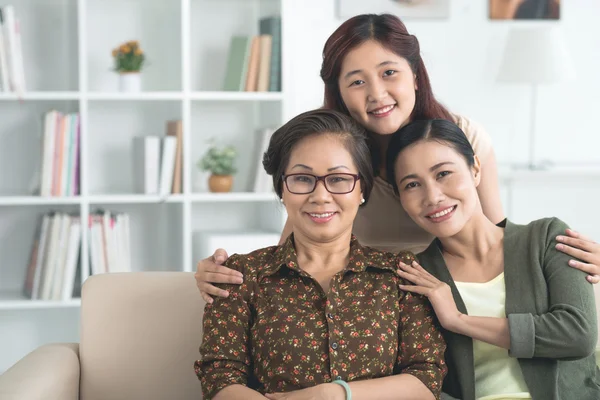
{"type": "Point", "coordinates": [439, 130]}
{"type": "Point", "coordinates": [392, 34]}
{"type": "Point", "coordinates": [319, 122]}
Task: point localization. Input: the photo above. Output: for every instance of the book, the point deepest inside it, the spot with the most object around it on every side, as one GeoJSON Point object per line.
{"type": "Point", "coordinates": [146, 164]}
{"type": "Point", "coordinates": [237, 63]}
{"type": "Point", "coordinates": [272, 26]}
{"type": "Point", "coordinates": [262, 181]}
{"type": "Point", "coordinates": [167, 164]}
{"type": "Point", "coordinates": [264, 63]}
{"type": "Point", "coordinates": [174, 128]}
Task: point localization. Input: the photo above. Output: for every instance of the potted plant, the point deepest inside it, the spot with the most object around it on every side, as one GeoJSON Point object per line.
{"type": "Point", "coordinates": [220, 163]}
{"type": "Point", "coordinates": [129, 60]}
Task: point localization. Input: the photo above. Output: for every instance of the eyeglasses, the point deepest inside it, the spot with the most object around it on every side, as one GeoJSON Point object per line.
{"type": "Point", "coordinates": [307, 183]}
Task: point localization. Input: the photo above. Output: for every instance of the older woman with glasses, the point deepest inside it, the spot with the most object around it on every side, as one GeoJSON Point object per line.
{"type": "Point", "coordinates": [320, 316]}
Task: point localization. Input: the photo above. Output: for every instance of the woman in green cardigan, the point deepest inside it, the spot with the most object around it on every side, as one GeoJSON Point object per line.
{"type": "Point", "coordinates": [518, 324]}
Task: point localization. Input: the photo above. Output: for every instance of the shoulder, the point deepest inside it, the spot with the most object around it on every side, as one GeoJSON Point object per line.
{"type": "Point", "coordinates": [251, 264]}
{"type": "Point", "coordinates": [544, 229]}
{"type": "Point", "coordinates": [468, 125]}
{"type": "Point", "coordinates": [475, 132]}
{"type": "Point", "coordinates": [376, 256]}
{"type": "Point", "coordinates": [383, 260]}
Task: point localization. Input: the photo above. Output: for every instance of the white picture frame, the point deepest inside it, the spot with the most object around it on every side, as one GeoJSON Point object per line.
{"type": "Point", "coordinates": [405, 9]}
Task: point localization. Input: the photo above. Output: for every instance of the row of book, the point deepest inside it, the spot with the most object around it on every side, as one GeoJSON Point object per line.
{"type": "Point", "coordinates": [254, 61]}
{"type": "Point", "coordinates": [54, 270]}
{"type": "Point", "coordinates": [158, 161]}
{"type": "Point", "coordinates": [60, 154]}
{"type": "Point", "coordinates": [109, 242]}
{"type": "Point", "coordinates": [54, 260]}
{"type": "Point", "coordinates": [12, 74]}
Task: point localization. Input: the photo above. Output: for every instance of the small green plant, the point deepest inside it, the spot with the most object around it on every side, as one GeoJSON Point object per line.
{"type": "Point", "coordinates": [219, 161]}
{"type": "Point", "coordinates": [129, 57]}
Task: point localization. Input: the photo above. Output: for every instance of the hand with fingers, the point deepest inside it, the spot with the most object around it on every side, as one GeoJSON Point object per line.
{"type": "Point", "coordinates": [585, 250]}
{"type": "Point", "coordinates": [438, 292]}
{"type": "Point", "coordinates": [210, 270]}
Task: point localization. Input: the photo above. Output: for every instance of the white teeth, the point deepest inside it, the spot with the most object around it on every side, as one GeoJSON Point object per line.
{"type": "Point", "coordinates": [324, 215]}
{"type": "Point", "coordinates": [442, 213]}
{"type": "Point", "coordinates": [383, 110]}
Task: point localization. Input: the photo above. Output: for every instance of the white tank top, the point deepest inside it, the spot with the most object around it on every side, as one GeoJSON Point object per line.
{"type": "Point", "coordinates": [497, 376]}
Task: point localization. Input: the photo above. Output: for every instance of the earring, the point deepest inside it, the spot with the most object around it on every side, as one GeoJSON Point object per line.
{"type": "Point", "coordinates": [362, 201]}
{"type": "Point", "coordinates": [281, 200]}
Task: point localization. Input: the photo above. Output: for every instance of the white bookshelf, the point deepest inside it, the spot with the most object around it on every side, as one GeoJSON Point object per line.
{"type": "Point", "coordinates": [66, 49]}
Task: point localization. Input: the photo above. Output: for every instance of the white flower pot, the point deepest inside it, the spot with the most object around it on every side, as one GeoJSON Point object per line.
{"type": "Point", "coordinates": [130, 82]}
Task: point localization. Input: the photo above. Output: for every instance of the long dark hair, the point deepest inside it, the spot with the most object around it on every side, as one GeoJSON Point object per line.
{"type": "Point", "coordinates": [392, 34]}
{"type": "Point", "coordinates": [440, 130]}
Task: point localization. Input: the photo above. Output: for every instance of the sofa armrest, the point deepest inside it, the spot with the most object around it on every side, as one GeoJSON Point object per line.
{"type": "Point", "coordinates": [50, 372]}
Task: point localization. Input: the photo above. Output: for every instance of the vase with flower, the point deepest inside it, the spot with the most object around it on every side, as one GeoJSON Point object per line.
{"type": "Point", "coordinates": [220, 162]}
{"type": "Point", "coordinates": [128, 62]}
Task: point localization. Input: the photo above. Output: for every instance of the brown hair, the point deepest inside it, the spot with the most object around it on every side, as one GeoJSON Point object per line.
{"type": "Point", "coordinates": [439, 130]}
{"type": "Point", "coordinates": [392, 34]}
{"type": "Point", "coordinates": [318, 122]}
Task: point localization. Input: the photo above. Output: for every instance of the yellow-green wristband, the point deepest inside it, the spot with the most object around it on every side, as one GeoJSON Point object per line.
{"type": "Point", "coordinates": [346, 388]}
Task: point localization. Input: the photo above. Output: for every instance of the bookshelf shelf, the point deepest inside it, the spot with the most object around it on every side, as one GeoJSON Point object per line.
{"type": "Point", "coordinates": [134, 199]}
{"type": "Point", "coordinates": [142, 96]}
{"type": "Point", "coordinates": [237, 96]}
{"type": "Point", "coordinates": [40, 96]}
{"type": "Point", "coordinates": [37, 200]}
{"type": "Point", "coordinates": [146, 96]}
{"type": "Point", "coordinates": [13, 300]}
{"type": "Point", "coordinates": [232, 197]}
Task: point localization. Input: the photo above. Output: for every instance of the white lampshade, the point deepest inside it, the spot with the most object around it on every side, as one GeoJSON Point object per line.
{"type": "Point", "coordinates": [535, 55]}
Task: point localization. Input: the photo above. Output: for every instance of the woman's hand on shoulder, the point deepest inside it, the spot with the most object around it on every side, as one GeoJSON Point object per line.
{"type": "Point", "coordinates": [210, 270]}
{"type": "Point", "coordinates": [438, 293]}
{"type": "Point", "coordinates": [584, 249]}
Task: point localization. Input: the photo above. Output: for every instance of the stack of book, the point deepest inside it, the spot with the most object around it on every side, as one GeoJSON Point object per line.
{"type": "Point", "coordinates": [54, 271]}
{"type": "Point", "coordinates": [60, 155]}
{"type": "Point", "coordinates": [158, 161]}
{"type": "Point", "coordinates": [12, 75]}
{"type": "Point", "coordinates": [254, 61]}
{"type": "Point", "coordinates": [109, 242]}
{"type": "Point", "coordinates": [54, 260]}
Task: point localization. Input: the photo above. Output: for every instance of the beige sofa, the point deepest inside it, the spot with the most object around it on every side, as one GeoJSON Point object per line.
{"type": "Point", "coordinates": [140, 334]}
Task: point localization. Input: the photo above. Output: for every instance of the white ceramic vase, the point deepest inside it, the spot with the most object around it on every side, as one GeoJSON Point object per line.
{"type": "Point", "coordinates": [130, 82]}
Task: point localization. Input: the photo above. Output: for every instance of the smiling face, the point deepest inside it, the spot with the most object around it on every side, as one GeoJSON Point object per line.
{"type": "Point", "coordinates": [438, 189]}
{"type": "Point", "coordinates": [378, 87]}
{"type": "Point", "coordinates": [321, 216]}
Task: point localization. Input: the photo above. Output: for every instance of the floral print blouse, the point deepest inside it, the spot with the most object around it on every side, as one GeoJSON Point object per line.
{"type": "Point", "coordinates": [280, 331]}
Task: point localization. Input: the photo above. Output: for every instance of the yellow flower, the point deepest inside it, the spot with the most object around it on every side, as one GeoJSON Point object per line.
{"type": "Point", "coordinates": [138, 52]}
{"type": "Point", "coordinates": [126, 49]}
{"type": "Point", "coordinates": [115, 52]}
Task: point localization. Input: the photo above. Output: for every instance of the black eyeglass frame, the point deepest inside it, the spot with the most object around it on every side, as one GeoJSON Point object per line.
{"type": "Point", "coordinates": [321, 178]}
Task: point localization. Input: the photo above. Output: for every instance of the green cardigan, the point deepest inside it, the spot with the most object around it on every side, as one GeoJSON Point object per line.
{"type": "Point", "coordinates": [551, 316]}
